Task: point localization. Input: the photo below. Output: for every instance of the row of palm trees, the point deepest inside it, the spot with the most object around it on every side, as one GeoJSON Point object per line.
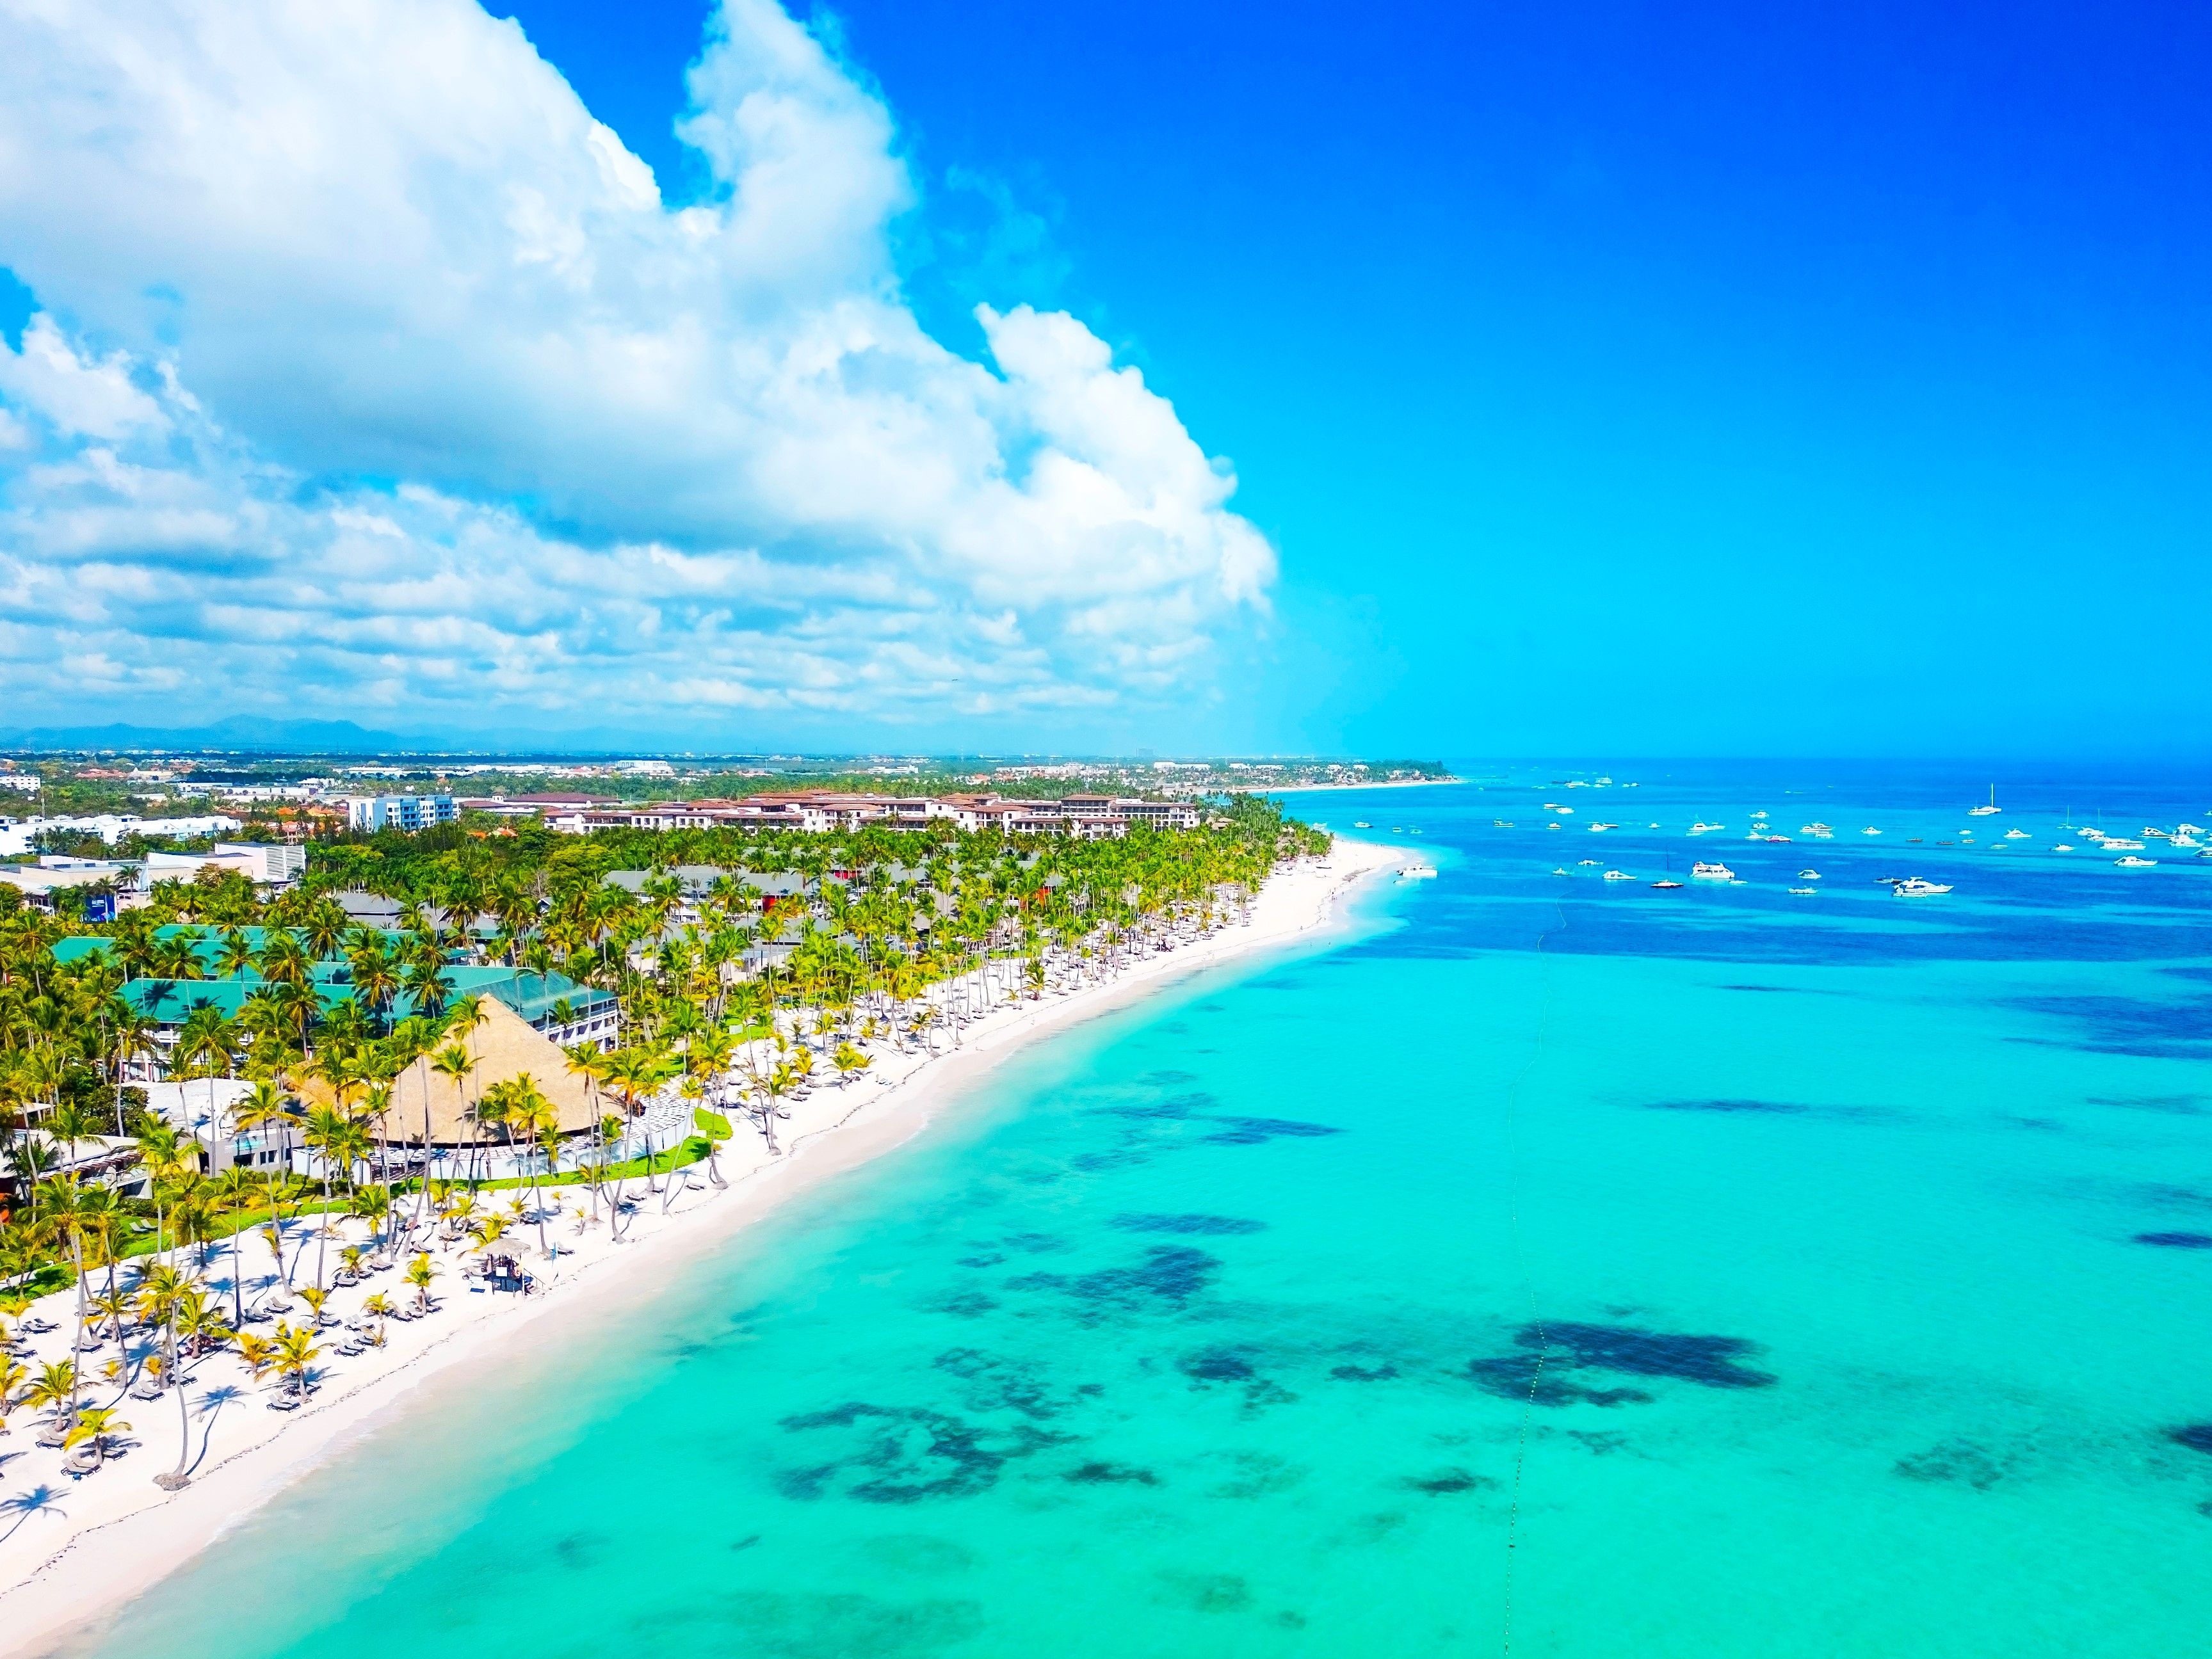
{"type": "Point", "coordinates": [731, 1002]}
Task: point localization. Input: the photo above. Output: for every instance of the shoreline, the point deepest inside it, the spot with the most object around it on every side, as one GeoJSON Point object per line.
{"type": "Point", "coordinates": [1346, 789]}
{"type": "Point", "coordinates": [125, 1534]}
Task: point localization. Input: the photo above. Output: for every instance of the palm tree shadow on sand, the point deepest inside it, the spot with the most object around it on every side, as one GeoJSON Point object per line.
{"type": "Point", "coordinates": [210, 1407]}
{"type": "Point", "coordinates": [39, 1500]}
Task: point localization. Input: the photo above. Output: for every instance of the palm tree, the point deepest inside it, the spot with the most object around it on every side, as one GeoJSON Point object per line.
{"type": "Point", "coordinates": [66, 1211]}
{"type": "Point", "coordinates": [92, 1426]}
{"type": "Point", "coordinates": [334, 1138]}
{"type": "Point", "coordinates": [233, 955]}
{"type": "Point", "coordinates": [529, 1110]}
{"type": "Point", "coordinates": [263, 1110]}
{"type": "Point", "coordinates": [420, 1272]}
{"type": "Point", "coordinates": [586, 1062]}
{"type": "Point", "coordinates": [160, 1290]}
{"type": "Point", "coordinates": [325, 929]}
{"type": "Point", "coordinates": [131, 1035]}
{"type": "Point", "coordinates": [233, 1190]}
{"type": "Point", "coordinates": [452, 1063]}
{"type": "Point", "coordinates": [54, 1388]}
{"type": "Point", "coordinates": [206, 1044]}
{"type": "Point", "coordinates": [849, 1062]}
{"type": "Point", "coordinates": [296, 1352]}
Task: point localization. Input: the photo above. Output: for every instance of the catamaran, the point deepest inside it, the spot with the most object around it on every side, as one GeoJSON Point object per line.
{"type": "Point", "coordinates": [1989, 811]}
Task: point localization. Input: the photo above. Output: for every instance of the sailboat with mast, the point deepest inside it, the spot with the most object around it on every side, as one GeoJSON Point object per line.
{"type": "Point", "coordinates": [1989, 811]}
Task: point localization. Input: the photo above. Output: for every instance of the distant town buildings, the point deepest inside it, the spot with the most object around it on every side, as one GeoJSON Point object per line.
{"type": "Point", "coordinates": [271, 868]}
{"type": "Point", "coordinates": [1088, 817]}
{"type": "Point", "coordinates": [400, 812]}
{"type": "Point", "coordinates": [19, 836]}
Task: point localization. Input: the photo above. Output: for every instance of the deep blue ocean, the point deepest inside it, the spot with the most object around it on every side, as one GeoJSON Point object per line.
{"type": "Point", "coordinates": [1547, 1266]}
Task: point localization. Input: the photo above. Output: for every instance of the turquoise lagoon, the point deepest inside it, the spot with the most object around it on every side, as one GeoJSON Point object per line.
{"type": "Point", "coordinates": [1547, 1265]}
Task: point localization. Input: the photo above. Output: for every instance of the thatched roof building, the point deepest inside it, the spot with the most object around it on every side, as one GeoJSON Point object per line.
{"type": "Point", "coordinates": [504, 1047]}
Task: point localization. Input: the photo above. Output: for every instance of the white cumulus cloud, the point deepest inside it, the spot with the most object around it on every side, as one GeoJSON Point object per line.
{"type": "Point", "coordinates": [375, 376]}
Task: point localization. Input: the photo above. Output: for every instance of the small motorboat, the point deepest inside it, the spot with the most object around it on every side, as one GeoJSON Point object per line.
{"type": "Point", "coordinates": [1361, 823]}
{"type": "Point", "coordinates": [1587, 864]}
{"type": "Point", "coordinates": [1869, 830]}
{"type": "Point", "coordinates": [1701, 828]}
{"type": "Point", "coordinates": [1809, 876]}
{"type": "Point", "coordinates": [2064, 846]}
{"type": "Point", "coordinates": [1619, 876]}
{"type": "Point", "coordinates": [1804, 892]}
{"type": "Point", "coordinates": [1501, 823]}
{"type": "Point", "coordinates": [2017, 835]}
{"type": "Point", "coordinates": [2133, 862]}
{"type": "Point", "coordinates": [1818, 831]}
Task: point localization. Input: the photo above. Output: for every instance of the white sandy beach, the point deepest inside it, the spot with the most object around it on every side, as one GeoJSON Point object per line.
{"type": "Point", "coordinates": [73, 1557]}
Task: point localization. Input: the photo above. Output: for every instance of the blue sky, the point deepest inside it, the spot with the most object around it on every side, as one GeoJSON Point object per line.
{"type": "Point", "coordinates": [1640, 380]}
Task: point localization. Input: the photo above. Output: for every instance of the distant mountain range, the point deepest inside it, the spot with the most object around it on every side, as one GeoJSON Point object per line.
{"type": "Point", "coordinates": [246, 733]}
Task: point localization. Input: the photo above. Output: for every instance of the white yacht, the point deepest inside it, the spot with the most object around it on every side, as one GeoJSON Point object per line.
{"type": "Point", "coordinates": [1809, 876]}
{"type": "Point", "coordinates": [1818, 831]}
{"type": "Point", "coordinates": [2133, 862]}
{"type": "Point", "coordinates": [1587, 864]}
{"type": "Point", "coordinates": [2017, 835]}
{"type": "Point", "coordinates": [1416, 873]}
{"type": "Point", "coordinates": [1701, 828]}
{"type": "Point", "coordinates": [1554, 806]}
{"type": "Point", "coordinates": [1619, 876]}
{"type": "Point", "coordinates": [1361, 823]}
{"type": "Point", "coordinates": [1711, 873]}
{"type": "Point", "coordinates": [2064, 846]}
{"type": "Point", "coordinates": [2114, 843]}
{"type": "Point", "coordinates": [1605, 827]}
{"type": "Point", "coordinates": [1913, 888]}
{"type": "Point", "coordinates": [1501, 823]}
{"type": "Point", "coordinates": [1869, 830]}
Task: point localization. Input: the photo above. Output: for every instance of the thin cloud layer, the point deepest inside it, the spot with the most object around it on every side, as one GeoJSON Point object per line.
{"type": "Point", "coordinates": [374, 377]}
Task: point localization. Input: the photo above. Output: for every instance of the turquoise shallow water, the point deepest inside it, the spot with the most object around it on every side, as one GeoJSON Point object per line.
{"type": "Point", "coordinates": [1775, 1276]}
